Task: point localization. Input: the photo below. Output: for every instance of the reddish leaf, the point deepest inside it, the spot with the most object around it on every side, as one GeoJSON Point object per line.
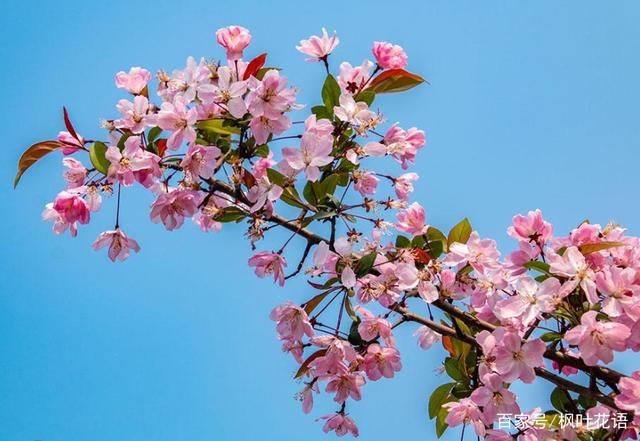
{"type": "Point", "coordinates": [67, 123]}
{"type": "Point", "coordinates": [32, 154]}
{"type": "Point", "coordinates": [447, 343]}
{"type": "Point", "coordinates": [304, 367]}
{"type": "Point", "coordinates": [589, 248]}
{"type": "Point", "coordinates": [421, 255]}
{"type": "Point", "coordinates": [394, 80]}
{"type": "Point", "coordinates": [254, 66]}
{"type": "Point", "coordinates": [161, 145]}
{"type": "Point", "coordinates": [247, 178]}
{"type": "Point", "coordinates": [315, 301]}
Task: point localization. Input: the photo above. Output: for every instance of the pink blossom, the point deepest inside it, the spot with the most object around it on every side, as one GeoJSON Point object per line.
{"type": "Point", "coordinates": [133, 164]}
{"type": "Point", "coordinates": [292, 321]}
{"type": "Point", "coordinates": [618, 285]}
{"type": "Point", "coordinates": [516, 360]}
{"type": "Point", "coordinates": [597, 340]}
{"type": "Point", "coordinates": [403, 185]}
{"type": "Point", "coordinates": [465, 411]}
{"type": "Point", "coordinates": [270, 96]}
{"type": "Point", "coordinates": [72, 207]}
{"type": "Point", "coordinates": [262, 165]}
{"type": "Point", "coordinates": [381, 362]}
{"type": "Point", "coordinates": [389, 56]}
{"type": "Point", "coordinates": [262, 127]}
{"type": "Point", "coordinates": [234, 39]}
{"type": "Point", "coordinates": [267, 263]}
{"type": "Point", "coordinates": [263, 193]}
{"type": "Point", "coordinates": [426, 337]}
{"type": "Point", "coordinates": [412, 220]}
{"type": "Point", "coordinates": [172, 207]}
{"type": "Point", "coordinates": [314, 152]}
{"type": "Point", "coordinates": [365, 182]}
{"type": "Point", "coordinates": [119, 244]}
{"type": "Point", "coordinates": [629, 396]}
{"type": "Point", "coordinates": [71, 143]}
{"type": "Point", "coordinates": [60, 225]}
{"type": "Point", "coordinates": [178, 119]}
{"type": "Point", "coordinates": [494, 398]}
{"type": "Point", "coordinates": [372, 326]}
{"type": "Point", "coordinates": [346, 385]}
{"type": "Point", "coordinates": [340, 424]}
{"type": "Point", "coordinates": [134, 114]}
{"type": "Point", "coordinates": [481, 254]}
{"type": "Point", "coordinates": [226, 92]}
{"type": "Point", "coordinates": [200, 161]}
{"type": "Point", "coordinates": [318, 48]}
{"type": "Point", "coordinates": [353, 79]}
{"type": "Point", "coordinates": [133, 82]}
{"type": "Point", "coordinates": [403, 145]}
{"type": "Point", "coordinates": [530, 300]}
{"type": "Point", "coordinates": [573, 266]}
{"type": "Point", "coordinates": [75, 173]}
{"type": "Point", "coordinates": [306, 396]}
{"type": "Point", "coordinates": [338, 352]}
{"type": "Point", "coordinates": [531, 228]}
{"type": "Point", "coordinates": [356, 113]}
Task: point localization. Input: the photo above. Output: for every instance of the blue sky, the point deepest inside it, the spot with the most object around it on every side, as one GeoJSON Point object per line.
{"type": "Point", "coordinates": [532, 105]}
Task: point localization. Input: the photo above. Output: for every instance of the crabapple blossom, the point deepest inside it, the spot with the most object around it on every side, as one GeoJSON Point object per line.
{"type": "Point", "coordinates": [134, 114]}
{"type": "Point", "coordinates": [426, 337]}
{"type": "Point", "coordinates": [596, 339]}
{"type": "Point", "coordinates": [70, 143]}
{"type": "Point", "coordinates": [75, 173]}
{"type": "Point", "coordinates": [465, 411]}
{"type": "Point", "coordinates": [403, 185]}
{"type": "Point", "coordinates": [531, 228]}
{"type": "Point", "coordinates": [200, 161]}
{"type": "Point", "coordinates": [340, 424]}
{"type": "Point", "coordinates": [494, 398]}
{"type": "Point", "coordinates": [381, 362]}
{"type": "Point", "coordinates": [173, 206]}
{"type": "Point", "coordinates": [119, 244]}
{"type": "Point", "coordinates": [319, 48]}
{"type": "Point", "coordinates": [132, 164]}
{"type": "Point", "coordinates": [353, 79]}
{"type": "Point", "coordinates": [134, 81]}
{"type": "Point", "coordinates": [516, 360]}
{"type": "Point", "coordinates": [292, 320]}
{"type": "Point", "coordinates": [178, 119]}
{"type": "Point", "coordinates": [389, 56]}
{"type": "Point", "coordinates": [267, 264]}
{"type": "Point", "coordinates": [412, 220]}
{"type": "Point", "coordinates": [403, 145]}
{"type": "Point", "coordinates": [226, 93]}
{"type": "Point", "coordinates": [234, 39]}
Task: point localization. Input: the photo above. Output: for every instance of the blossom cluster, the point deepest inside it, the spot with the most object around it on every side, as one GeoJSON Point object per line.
{"type": "Point", "coordinates": [206, 149]}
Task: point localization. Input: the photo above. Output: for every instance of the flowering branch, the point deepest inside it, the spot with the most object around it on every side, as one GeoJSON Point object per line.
{"type": "Point", "coordinates": [206, 151]}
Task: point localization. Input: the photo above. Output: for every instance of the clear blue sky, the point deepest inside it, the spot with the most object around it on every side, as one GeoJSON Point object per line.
{"type": "Point", "coordinates": [533, 104]}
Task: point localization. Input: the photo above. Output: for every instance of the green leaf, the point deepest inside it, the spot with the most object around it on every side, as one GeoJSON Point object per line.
{"type": "Point", "coordinates": [349, 308]}
{"type": "Point", "coordinates": [153, 134]}
{"type": "Point", "coordinates": [441, 426]}
{"type": "Point", "coordinates": [231, 214]}
{"type": "Point", "coordinates": [262, 150]}
{"type": "Point", "coordinates": [330, 93]}
{"type": "Point", "coordinates": [309, 193]}
{"type": "Point", "coordinates": [276, 177]}
{"type": "Point", "coordinates": [402, 241]}
{"type": "Point", "coordinates": [550, 336]}
{"type": "Point", "coordinates": [394, 80]}
{"type": "Point", "coordinates": [354, 336]}
{"type": "Point", "coordinates": [328, 186]}
{"type": "Point", "coordinates": [460, 232]}
{"type": "Point", "coordinates": [589, 248]}
{"type": "Point", "coordinates": [438, 398]}
{"type": "Point", "coordinates": [291, 197]}
{"type": "Point", "coordinates": [452, 369]}
{"type": "Point", "coordinates": [366, 96]}
{"type": "Point", "coordinates": [365, 264]}
{"type": "Point", "coordinates": [559, 399]}
{"type": "Point", "coordinates": [321, 112]}
{"type": "Point", "coordinates": [262, 71]}
{"type": "Point", "coordinates": [217, 125]}
{"type": "Point", "coordinates": [542, 267]}
{"type": "Point", "coordinates": [435, 237]}
{"type": "Point", "coordinates": [98, 159]}
{"type": "Point", "coordinates": [32, 155]}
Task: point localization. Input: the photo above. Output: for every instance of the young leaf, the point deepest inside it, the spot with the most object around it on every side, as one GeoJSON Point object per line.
{"type": "Point", "coordinates": [542, 267]}
{"type": "Point", "coordinates": [153, 134]}
{"type": "Point", "coordinates": [33, 154]}
{"type": "Point", "coordinates": [460, 233]}
{"type": "Point", "coordinates": [97, 156]}
{"type": "Point", "coordinates": [365, 264]}
{"type": "Point", "coordinates": [254, 66]}
{"type": "Point", "coordinates": [68, 125]}
{"type": "Point", "coordinates": [589, 248]}
{"type": "Point", "coordinates": [394, 80]}
{"type": "Point", "coordinates": [217, 125]}
{"type": "Point", "coordinates": [366, 96]}
{"type": "Point", "coordinates": [304, 367]}
{"type": "Point", "coordinates": [315, 301]}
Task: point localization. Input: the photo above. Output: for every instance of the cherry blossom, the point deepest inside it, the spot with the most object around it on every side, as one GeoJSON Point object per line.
{"type": "Point", "coordinates": [119, 244]}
